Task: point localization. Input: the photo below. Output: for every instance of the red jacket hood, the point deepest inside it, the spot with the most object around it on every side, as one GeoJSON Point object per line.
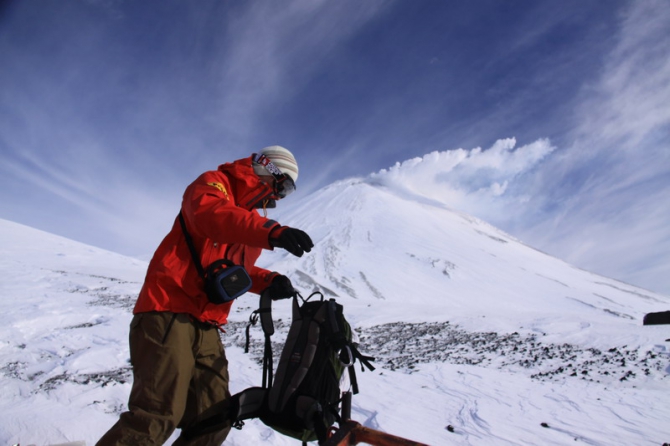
{"type": "Point", "coordinates": [247, 188]}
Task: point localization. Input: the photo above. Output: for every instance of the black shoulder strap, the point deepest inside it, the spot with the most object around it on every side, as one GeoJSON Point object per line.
{"type": "Point", "coordinates": [191, 247]}
{"type": "Point", "coordinates": [264, 311]}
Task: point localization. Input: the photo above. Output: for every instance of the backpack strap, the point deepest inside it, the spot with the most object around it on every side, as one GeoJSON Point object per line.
{"type": "Point", "coordinates": [249, 403]}
{"type": "Point", "coordinates": [264, 312]}
{"type": "Point", "coordinates": [364, 360]}
{"type": "Point", "coordinates": [347, 348]}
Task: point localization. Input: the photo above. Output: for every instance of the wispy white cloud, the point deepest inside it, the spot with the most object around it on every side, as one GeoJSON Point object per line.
{"type": "Point", "coordinates": [474, 181]}
{"type": "Point", "coordinates": [272, 49]}
{"type": "Point", "coordinates": [604, 198]}
{"type": "Point", "coordinates": [117, 128]}
{"type": "Point", "coordinates": [631, 99]}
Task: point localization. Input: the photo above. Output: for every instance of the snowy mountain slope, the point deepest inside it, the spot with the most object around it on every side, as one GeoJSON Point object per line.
{"type": "Point", "coordinates": [395, 258]}
{"type": "Point", "coordinates": [54, 340]}
{"type": "Point", "coordinates": [471, 328]}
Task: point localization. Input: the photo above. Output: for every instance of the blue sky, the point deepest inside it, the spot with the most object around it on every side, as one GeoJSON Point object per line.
{"type": "Point", "coordinates": [108, 109]}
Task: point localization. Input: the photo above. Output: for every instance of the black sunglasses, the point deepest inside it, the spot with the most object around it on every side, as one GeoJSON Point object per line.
{"type": "Point", "coordinates": [284, 184]}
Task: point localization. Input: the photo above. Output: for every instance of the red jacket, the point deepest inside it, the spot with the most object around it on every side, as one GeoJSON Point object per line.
{"type": "Point", "coordinates": [218, 208]}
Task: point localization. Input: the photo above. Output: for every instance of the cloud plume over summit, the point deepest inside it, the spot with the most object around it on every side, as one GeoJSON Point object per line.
{"type": "Point", "coordinates": [477, 181]}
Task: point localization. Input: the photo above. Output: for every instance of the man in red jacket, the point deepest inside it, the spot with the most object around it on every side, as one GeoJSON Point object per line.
{"type": "Point", "coordinates": [180, 369]}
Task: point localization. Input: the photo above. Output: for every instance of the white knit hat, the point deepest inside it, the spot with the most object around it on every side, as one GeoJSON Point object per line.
{"type": "Point", "coordinates": [281, 158]}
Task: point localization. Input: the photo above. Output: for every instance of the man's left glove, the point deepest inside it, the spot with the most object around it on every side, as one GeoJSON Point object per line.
{"type": "Point", "coordinates": [281, 288]}
{"type": "Point", "coordinates": [293, 240]}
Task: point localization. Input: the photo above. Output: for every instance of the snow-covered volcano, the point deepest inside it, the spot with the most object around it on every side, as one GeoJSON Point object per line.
{"type": "Point", "coordinates": [393, 254]}
{"type": "Point", "coordinates": [472, 329]}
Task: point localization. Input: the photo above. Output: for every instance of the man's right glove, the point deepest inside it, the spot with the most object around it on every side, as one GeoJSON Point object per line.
{"type": "Point", "coordinates": [281, 288]}
{"type": "Point", "coordinates": [295, 241]}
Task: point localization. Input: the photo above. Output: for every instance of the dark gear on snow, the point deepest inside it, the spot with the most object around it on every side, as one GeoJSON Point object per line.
{"type": "Point", "coordinates": [659, 318]}
{"type": "Point", "coordinates": [295, 241]}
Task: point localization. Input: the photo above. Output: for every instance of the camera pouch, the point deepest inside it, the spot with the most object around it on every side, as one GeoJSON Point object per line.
{"type": "Point", "coordinates": [225, 281]}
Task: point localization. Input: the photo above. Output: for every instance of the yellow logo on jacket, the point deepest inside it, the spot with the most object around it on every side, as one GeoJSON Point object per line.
{"type": "Point", "coordinates": [221, 187]}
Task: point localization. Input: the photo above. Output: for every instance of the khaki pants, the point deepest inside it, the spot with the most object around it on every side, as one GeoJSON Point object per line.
{"type": "Point", "coordinates": [180, 374]}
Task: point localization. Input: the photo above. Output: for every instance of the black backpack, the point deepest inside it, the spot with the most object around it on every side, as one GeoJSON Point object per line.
{"type": "Point", "coordinates": [303, 400]}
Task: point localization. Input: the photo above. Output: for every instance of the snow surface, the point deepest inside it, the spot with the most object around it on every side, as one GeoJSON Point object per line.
{"type": "Point", "coordinates": [472, 329]}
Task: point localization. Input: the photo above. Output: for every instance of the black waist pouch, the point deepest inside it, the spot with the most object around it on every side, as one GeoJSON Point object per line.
{"type": "Point", "coordinates": [225, 281]}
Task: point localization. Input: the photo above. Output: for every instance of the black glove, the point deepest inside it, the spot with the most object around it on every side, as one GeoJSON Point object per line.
{"type": "Point", "coordinates": [281, 288]}
{"type": "Point", "coordinates": [295, 241]}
